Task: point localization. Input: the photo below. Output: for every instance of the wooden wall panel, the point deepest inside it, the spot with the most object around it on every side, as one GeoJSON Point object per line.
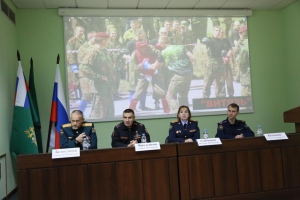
{"type": "Point", "coordinates": [184, 183]}
{"type": "Point", "coordinates": [174, 179]}
{"type": "Point", "coordinates": [23, 185]}
{"type": "Point", "coordinates": [156, 180]}
{"type": "Point", "coordinates": [271, 169]}
{"type": "Point", "coordinates": [46, 184]}
{"type": "Point", "coordinates": [73, 182]}
{"type": "Point", "coordinates": [201, 179]}
{"type": "Point", "coordinates": [225, 176]}
{"type": "Point", "coordinates": [248, 171]}
{"type": "Point", "coordinates": [291, 166]}
{"type": "Point", "coordinates": [129, 180]}
{"type": "Point", "coordinates": [102, 182]}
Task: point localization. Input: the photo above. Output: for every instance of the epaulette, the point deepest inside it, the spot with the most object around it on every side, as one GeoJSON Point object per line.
{"type": "Point", "coordinates": [66, 125]}
{"type": "Point", "coordinates": [117, 126]}
{"type": "Point", "coordinates": [192, 120]}
{"type": "Point", "coordinates": [87, 124]}
{"type": "Point", "coordinates": [224, 121]}
{"type": "Point", "coordinates": [175, 121]}
{"type": "Point", "coordinates": [138, 124]}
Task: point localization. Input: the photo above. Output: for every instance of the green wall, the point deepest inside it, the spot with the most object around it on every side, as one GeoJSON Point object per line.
{"type": "Point", "coordinates": [8, 68]}
{"type": "Point", "coordinates": [291, 29]}
{"type": "Point", "coordinates": [274, 47]}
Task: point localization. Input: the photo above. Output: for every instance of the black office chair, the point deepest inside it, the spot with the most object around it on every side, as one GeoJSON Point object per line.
{"type": "Point", "coordinates": [167, 140]}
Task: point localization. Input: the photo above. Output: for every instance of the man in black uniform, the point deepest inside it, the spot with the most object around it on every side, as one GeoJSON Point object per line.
{"type": "Point", "coordinates": [129, 132]}
{"type": "Point", "coordinates": [72, 134]}
{"type": "Point", "coordinates": [217, 49]}
{"type": "Point", "coordinates": [231, 127]}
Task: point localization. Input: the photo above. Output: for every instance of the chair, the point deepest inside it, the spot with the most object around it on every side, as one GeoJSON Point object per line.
{"type": "Point", "coordinates": [167, 140]}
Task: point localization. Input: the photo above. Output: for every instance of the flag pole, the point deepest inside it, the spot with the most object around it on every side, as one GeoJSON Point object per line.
{"type": "Point", "coordinates": [18, 55]}
{"type": "Point", "coordinates": [50, 123]}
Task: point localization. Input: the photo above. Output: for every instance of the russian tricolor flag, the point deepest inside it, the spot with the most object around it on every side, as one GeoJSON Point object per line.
{"type": "Point", "coordinates": [59, 115]}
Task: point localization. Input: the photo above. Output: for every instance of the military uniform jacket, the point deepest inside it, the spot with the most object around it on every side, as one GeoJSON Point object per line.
{"type": "Point", "coordinates": [68, 135]}
{"type": "Point", "coordinates": [226, 130]}
{"type": "Point", "coordinates": [122, 136]}
{"type": "Point", "coordinates": [177, 133]}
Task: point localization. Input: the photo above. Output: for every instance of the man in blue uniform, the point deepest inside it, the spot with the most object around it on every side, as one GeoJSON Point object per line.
{"type": "Point", "coordinates": [72, 134]}
{"type": "Point", "coordinates": [128, 133]}
{"type": "Point", "coordinates": [231, 127]}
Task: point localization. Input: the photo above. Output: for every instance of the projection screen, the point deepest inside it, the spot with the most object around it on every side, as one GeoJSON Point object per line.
{"type": "Point", "coordinates": [156, 64]}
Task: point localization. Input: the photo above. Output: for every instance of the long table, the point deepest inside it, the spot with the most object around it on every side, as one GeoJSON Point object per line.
{"type": "Point", "coordinates": [249, 168]}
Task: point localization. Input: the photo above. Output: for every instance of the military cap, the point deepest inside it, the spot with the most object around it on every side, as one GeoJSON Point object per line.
{"type": "Point", "coordinates": [101, 35]}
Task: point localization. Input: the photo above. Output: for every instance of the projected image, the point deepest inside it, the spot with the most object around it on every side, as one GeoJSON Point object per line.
{"type": "Point", "coordinates": [153, 65]}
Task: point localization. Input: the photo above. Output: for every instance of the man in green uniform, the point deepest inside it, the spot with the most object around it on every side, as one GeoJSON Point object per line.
{"type": "Point", "coordinates": [73, 44]}
{"type": "Point", "coordinates": [98, 66]}
{"type": "Point", "coordinates": [177, 58]}
{"type": "Point", "coordinates": [242, 60]}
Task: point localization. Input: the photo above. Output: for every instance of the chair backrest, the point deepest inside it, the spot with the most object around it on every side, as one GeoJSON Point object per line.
{"type": "Point", "coordinates": [167, 140]}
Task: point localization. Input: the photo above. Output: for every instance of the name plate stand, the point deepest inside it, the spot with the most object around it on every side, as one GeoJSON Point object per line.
{"type": "Point", "coordinates": [147, 146]}
{"type": "Point", "coordinates": [209, 141]}
{"type": "Point", "coordinates": [275, 136]}
{"type": "Point", "coordinates": [66, 153]}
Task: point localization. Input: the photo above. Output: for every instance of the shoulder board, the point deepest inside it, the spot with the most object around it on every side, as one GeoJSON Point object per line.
{"type": "Point", "coordinates": [222, 122]}
{"type": "Point", "coordinates": [192, 120]}
{"type": "Point", "coordinates": [175, 121]}
{"type": "Point", "coordinates": [66, 125]}
{"type": "Point", "coordinates": [241, 121]}
{"type": "Point", "coordinates": [119, 125]}
{"type": "Point", "coordinates": [138, 124]}
{"type": "Point", "coordinates": [87, 124]}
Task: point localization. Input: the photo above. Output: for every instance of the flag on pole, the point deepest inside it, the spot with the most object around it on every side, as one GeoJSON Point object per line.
{"type": "Point", "coordinates": [58, 114]}
{"type": "Point", "coordinates": [23, 140]}
{"type": "Point", "coordinates": [35, 109]}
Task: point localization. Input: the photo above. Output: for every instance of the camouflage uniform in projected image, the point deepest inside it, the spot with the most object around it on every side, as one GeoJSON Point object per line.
{"type": "Point", "coordinates": [98, 66]}
{"type": "Point", "coordinates": [177, 59]}
{"type": "Point", "coordinates": [243, 62]}
{"type": "Point", "coordinates": [73, 44]}
{"type": "Point", "coordinates": [217, 49]}
{"type": "Point", "coordinates": [86, 84]}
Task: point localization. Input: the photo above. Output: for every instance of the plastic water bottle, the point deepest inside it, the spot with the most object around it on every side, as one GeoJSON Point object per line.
{"type": "Point", "coordinates": [259, 131]}
{"type": "Point", "coordinates": [205, 134]}
{"type": "Point", "coordinates": [144, 139]}
{"type": "Point", "coordinates": [85, 144]}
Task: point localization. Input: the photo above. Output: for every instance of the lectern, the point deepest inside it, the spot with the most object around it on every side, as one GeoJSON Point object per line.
{"type": "Point", "coordinates": [293, 116]}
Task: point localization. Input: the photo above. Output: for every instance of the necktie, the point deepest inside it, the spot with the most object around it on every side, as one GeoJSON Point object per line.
{"type": "Point", "coordinates": [184, 126]}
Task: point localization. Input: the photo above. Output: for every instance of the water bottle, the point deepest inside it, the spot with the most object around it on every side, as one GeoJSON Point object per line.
{"type": "Point", "coordinates": [259, 131]}
{"type": "Point", "coordinates": [205, 134]}
{"type": "Point", "coordinates": [85, 144]}
{"type": "Point", "coordinates": [144, 139]}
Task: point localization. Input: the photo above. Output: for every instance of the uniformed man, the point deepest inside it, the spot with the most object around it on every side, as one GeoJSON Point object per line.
{"type": "Point", "coordinates": [217, 49]}
{"type": "Point", "coordinates": [243, 62]}
{"type": "Point", "coordinates": [98, 67]}
{"type": "Point", "coordinates": [129, 132]}
{"type": "Point", "coordinates": [72, 134]}
{"type": "Point", "coordinates": [184, 129]}
{"type": "Point", "coordinates": [177, 59]}
{"type": "Point", "coordinates": [231, 127]}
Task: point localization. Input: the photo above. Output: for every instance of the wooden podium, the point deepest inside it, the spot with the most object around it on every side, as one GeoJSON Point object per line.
{"type": "Point", "coordinates": [293, 116]}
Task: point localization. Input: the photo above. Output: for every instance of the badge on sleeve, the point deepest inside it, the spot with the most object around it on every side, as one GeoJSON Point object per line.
{"type": "Point", "coordinates": [220, 127]}
{"type": "Point", "coordinates": [93, 130]}
{"type": "Point", "coordinates": [170, 127]}
{"type": "Point", "coordinates": [61, 132]}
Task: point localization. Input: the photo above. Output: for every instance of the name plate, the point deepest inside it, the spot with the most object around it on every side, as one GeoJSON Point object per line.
{"type": "Point", "coordinates": [147, 146]}
{"type": "Point", "coordinates": [65, 153]}
{"type": "Point", "coordinates": [209, 141]}
{"type": "Point", "coordinates": [275, 136]}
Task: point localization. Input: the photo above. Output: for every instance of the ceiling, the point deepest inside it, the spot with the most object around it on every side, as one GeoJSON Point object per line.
{"type": "Point", "coordinates": [156, 4]}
